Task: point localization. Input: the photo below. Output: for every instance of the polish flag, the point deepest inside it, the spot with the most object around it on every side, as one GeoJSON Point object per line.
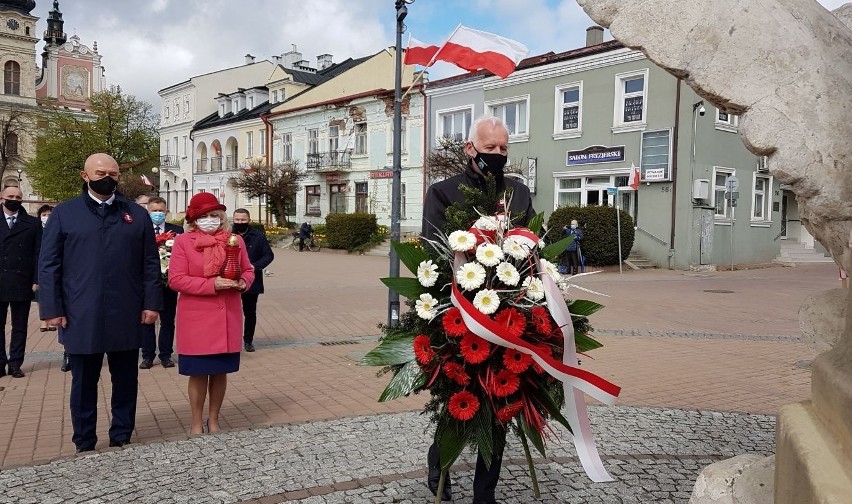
{"type": "Point", "coordinates": [633, 181]}
{"type": "Point", "coordinates": [419, 53]}
{"type": "Point", "coordinates": [145, 180]}
{"type": "Point", "coordinates": [470, 50]}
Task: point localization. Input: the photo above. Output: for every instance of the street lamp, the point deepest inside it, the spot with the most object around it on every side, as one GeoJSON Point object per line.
{"type": "Point", "coordinates": [393, 296]}
{"type": "Point", "coordinates": [20, 171]}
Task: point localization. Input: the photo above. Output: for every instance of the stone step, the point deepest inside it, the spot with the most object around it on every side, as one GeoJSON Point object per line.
{"type": "Point", "coordinates": [800, 255]}
{"type": "Point", "coordinates": [788, 261]}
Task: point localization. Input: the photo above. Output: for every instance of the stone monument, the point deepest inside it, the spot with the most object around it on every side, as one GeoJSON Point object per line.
{"type": "Point", "coordinates": [785, 66]}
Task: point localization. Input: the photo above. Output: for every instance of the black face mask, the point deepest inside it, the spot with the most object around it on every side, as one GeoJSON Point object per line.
{"type": "Point", "coordinates": [12, 205]}
{"type": "Point", "coordinates": [241, 227]}
{"type": "Point", "coordinates": [105, 186]}
{"type": "Point", "coordinates": [491, 163]}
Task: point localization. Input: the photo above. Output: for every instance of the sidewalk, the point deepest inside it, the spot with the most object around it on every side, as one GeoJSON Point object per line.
{"type": "Point", "coordinates": [724, 341]}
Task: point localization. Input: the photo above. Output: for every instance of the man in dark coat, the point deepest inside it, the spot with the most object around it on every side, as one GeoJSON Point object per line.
{"type": "Point", "coordinates": [20, 241]}
{"type": "Point", "coordinates": [157, 209]}
{"type": "Point", "coordinates": [99, 281]}
{"type": "Point", "coordinates": [260, 254]}
{"type": "Point", "coordinates": [487, 148]}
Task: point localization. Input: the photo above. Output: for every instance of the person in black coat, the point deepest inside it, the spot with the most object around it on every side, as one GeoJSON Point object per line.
{"type": "Point", "coordinates": [572, 251]}
{"type": "Point", "coordinates": [20, 241]}
{"type": "Point", "coordinates": [260, 254]}
{"type": "Point", "coordinates": [158, 209]}
{"type": "Point", "coordinates": [305, 232]}
{"type": "Point", "coordinates": [487, 148]}
{"type": "Point", "coordinates": [99, 282]}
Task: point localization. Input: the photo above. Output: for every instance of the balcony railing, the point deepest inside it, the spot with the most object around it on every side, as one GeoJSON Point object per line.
{"type": "Point", "coordinates": [231, 163]}
{"type": "Point", "coordinates": [201, 165]}
{"type": "Point", "coordinates": [216, 163]}
{"type": "Point", "coordinates": [330, 161]}
{"type": "Point", "coordinates": [168, 161]}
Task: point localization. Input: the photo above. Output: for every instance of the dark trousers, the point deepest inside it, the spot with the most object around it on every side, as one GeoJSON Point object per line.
{"type": "Point", "coordinates": [573, 261]}
{"type": "Point", "coordinates": [250, 315]}
{"type": "Point", "coordinates": [302, 243]}
{"type": "Point", "coordinates": [166, 341]}
{"type": "Point", "coordinates": [18, 338]}
{"type": "Point", "coordinates": [485, 478]}
{"type": "Point", "coordinates": [85, 374]}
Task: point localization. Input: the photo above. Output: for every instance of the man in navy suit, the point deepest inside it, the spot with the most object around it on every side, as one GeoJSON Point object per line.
{"type": "Point", "coordinates": [158, 209]}
{"type": "Point", "coordinates": [99, 282]}
{"type": "Point", "coordinates": [260, 254]}
{"type": "Point", "coordinates": [20, 240]}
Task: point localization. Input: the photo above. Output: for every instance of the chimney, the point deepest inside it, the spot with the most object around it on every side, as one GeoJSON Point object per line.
{"type": "Point", "coordinates": [249, 59]}
{"type": "Point", "coordinates": [276, 59]}
{"type": "Point", "coordinates": [291, 57]}
{"type": "Point", "coordinates": [594, 35]}
{"type": "Point", "coordinates": [324, 61]}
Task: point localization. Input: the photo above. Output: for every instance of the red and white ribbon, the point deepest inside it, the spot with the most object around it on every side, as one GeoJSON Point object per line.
{"type": "Point", "coordinates": [574, 379]}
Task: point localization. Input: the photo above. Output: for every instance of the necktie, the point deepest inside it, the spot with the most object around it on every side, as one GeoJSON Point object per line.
{"type": "Point", "coordinates": [157, 229]}
{"type": "Point", "coordinates": [102, 208]}
{"type": "Point", "coordinates": [11, 220]}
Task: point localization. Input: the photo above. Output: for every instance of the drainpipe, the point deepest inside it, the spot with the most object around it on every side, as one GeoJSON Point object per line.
{"type": "Point", "coordinates": [425, 141]}
{"type": "Point", "coordinates": [675, 135]}
{"type": "Point", "coordinates": [268, 132]}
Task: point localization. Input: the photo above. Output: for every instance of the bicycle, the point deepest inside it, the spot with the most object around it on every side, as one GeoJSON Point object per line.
{"type": "Point", "coordinates": [311, 243]}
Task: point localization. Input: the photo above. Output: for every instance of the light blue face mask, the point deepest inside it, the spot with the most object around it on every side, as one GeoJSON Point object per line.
{"type": "Point", "coordinates": [158, 217]}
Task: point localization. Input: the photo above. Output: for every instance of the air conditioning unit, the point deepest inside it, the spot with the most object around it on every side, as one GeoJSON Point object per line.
{"type": "Point", "coordinates": [761, 165]}
{"type": "Point", "coordinates": [701, 189]}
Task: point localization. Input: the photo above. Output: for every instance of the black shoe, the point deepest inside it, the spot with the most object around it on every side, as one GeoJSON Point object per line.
{"type": "Point", "coordinates": [2, 371]}
{"type": "Point", "coordinates": [434, 476]}
{"type": "Point", "coordinates": [66, 364]}
{"type": "Point", "coordinates": [249, 347]}
{"type": "Point", "coordinates": [167, 362]}
{"type": "Point", "coordinates": [113, 443]}
{"type": "Point", "coordinates": [83, 450]}
{"type": "Point", "coordinates": [16, 373]}
{"type": "Point", "coordinates": [146, 364]}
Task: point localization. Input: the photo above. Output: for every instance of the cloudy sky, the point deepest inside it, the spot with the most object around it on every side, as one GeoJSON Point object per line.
{"type": "Point", "coordinates": [151, 44]}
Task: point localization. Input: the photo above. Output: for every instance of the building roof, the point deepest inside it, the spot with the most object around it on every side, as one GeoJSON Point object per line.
{"type": "Point", "coordinates": [314, 78]}
{"type": "Point", "coordinates": [213, 120]}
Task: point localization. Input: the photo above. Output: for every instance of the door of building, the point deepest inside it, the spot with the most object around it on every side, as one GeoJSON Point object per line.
{"type": "Point", "coordinates": [783, 234]}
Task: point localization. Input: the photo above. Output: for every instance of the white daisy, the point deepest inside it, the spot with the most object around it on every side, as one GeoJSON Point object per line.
{"type": "Point", "coordinates": [486, 301]}
{"type": "Point", "coordinates": [461, 241]}
{"type": "Point", "coordinates": [426, 306]}
{"type": "Point", "coordinates": [470, 276]}
{"type": "Point", "coordinates": [486, 223]}
{"type": "Point", "coordinates": [427, 273]}
{"type": "Point", "coordinates": [551, 270]}
{"type": "Point", "coordinates": [489, 254]}
{"type": "Point", "coordinates": [515, 247]}
{"type": "Point", "coordinates": [170, 243]}
{"type": "Point", "coordinates": [508, 274]}
{"type": "Point", "coordinates": [535, 288]}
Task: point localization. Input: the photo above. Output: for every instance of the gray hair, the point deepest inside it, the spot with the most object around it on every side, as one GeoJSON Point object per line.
{"type": "Point", "coordinates": [473, 134]}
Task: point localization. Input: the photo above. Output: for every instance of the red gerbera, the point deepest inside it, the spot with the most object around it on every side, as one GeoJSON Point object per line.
{"type": "Point", "coordinates": [474, 349]}
{"type": "Point", "coordinates": [505, 383]}
{"type": "Point", "coordinates": [541, 320]}
{"type": "Point", "coordinates": [512, 320]}
{"type": "Point", "coordinates": [463, 405]}
{"type": "Point", "coordinates": [423, 349]}
{"type": "Point", "coordinates": [453, 323]}
{"type": "Point", "coordinates": [508, 412]}
{"type": "Point", "coordinates": [516, 361]}
{"type": "Point", "coordinates": [455, 372]}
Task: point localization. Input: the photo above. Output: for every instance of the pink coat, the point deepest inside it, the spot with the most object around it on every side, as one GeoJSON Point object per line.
{"type": "Point", "coordinates": [207, 321]}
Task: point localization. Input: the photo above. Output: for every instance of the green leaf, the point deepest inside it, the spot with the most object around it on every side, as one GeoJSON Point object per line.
{"type": "Point", "coordinates": [536, 223]}
{"type": "Point", "coordinates": [406, 287]}
{"type": "Point", "coordinates": [533, 435]}
{"type": "Point", "coordinates": [451, 436]}
{"type": "Point", "coordinates": [482, 426]}
{"type": "Point", "coordinates": [552, 251]}
{"type": "Point", "coordinates": [546, 400]}
{"type": "Point", "coordinates": [585, 343]}
{"type": "Point", "coordinates": [391, 351]}
{"type": "Point", "coordinates": [407, 380]}
{"type": "Point", "coordinates": [410, 254]}
{"type": "Point", "coordinates": [584, 308]}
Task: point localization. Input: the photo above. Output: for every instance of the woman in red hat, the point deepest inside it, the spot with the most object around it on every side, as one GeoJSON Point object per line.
{"type": "Point", "coordinates": [209, 317]}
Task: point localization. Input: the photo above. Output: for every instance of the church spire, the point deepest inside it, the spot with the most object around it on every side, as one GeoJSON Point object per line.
{"type": "Point", "coordinates": [54, 35]}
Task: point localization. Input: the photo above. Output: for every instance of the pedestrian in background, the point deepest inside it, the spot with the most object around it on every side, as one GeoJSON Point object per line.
{"type": "Point", "coordinates": [158, 210]}
{"type": "Point", "coordinates": [573, 251]}
{"type": "Point", "coordinates": [260, 254]}
{"type": "Point", "coordinates": [209, 309]}
{"type": "Point", "coordinates": [305, 232]}
{"type": "Point", "coordinates": [99, 282]}
{"type": "Point", "coordinates": [20, 241]}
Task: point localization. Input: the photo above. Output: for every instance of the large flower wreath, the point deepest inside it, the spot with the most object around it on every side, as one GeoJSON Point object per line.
{"type": "Point", "coordinates": [492, 338]}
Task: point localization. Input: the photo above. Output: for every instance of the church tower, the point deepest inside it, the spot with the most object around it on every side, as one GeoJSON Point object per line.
{"type": "Point", "coordinates": [55, 33]}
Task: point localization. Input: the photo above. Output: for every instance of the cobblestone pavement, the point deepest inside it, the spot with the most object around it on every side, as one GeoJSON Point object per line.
{"type": "Point", "coordinates": [654, 455]}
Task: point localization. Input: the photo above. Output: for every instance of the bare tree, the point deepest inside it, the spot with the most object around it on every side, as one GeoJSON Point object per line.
{"type": "Point", "coordinates": [279, 183]}
{"type": "Point", "coordinates": [15, 127]}
{"type": "Point", "coordinates": [449, 159]}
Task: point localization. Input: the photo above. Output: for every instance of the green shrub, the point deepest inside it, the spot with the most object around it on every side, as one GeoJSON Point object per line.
{"type": "Point", "coordinates": [600, 232]}
{"type": "Point", "coordinates": [349, 231]}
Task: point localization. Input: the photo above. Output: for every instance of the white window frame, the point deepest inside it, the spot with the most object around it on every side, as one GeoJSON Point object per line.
{"type": "Point", "coordinates": [767, 198]}
{"type": "Point", "coordinates": [261, 135]}
{"type": "Point", "coordinates": [166, 112]}
{"type": "Point", "coordinates": [618, 124]}
{"type": "Point", "coordinates": [249, 143]}
{"type": "Point", "coordinates": [439, 129]}
{"type": "Point", "coordinates": [729, 214]}
{"type": "Point", "coordinates": [559, 106]}
{"type": "Point", "coordinates": [313, 141]}
{"type": "Point", "coordinates": [250, 104]}
{"type": "Point", "coordinates": [361, 143]}
{"type": "Point", "coordinates": [731, 124]}
{"type": "Point", "coordinates": [234, 106]}
{"type": "Point", "coordinates": [186, 108]}
{"type": "Point", "coordinates": [221, 110]}
{"type": "Point", "coordinates": [185, 146]}
{"type": "Point", "coordinates": [167, 147]}
{"type": "Point", "coordinates": [335, 139]}
{"type": "Point", "coordinates": [404, 133]}
{"type": "Point", "coordinates": [513, 100]}
{"type": "Point", "coordinates": [274, 96]}
{"type": "Point", "coordinates": [286, 147]}
{"type": "Point", "coordinates": [612, 173]}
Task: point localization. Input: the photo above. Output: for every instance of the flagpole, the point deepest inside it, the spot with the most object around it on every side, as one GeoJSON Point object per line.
{"type": "Point", "coordinates": [432, 61]}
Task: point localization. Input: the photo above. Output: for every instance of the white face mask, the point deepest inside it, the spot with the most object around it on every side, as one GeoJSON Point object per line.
{"type": "Point", "coordinates": [209, 224]}
{"type": "Point", "coordinates": [43, 220]}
